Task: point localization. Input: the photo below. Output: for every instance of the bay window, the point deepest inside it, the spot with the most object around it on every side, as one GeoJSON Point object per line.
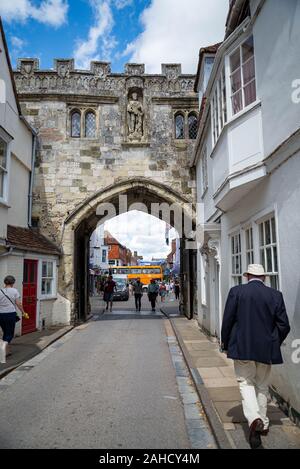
{"type": "Point", "coordinates": [219, 106]}
{"type": "Point", "coordinates": [242, 76]}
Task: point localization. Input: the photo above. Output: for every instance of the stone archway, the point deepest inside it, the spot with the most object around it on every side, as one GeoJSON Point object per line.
{"type": "Point", "coordinates": [80, 224]}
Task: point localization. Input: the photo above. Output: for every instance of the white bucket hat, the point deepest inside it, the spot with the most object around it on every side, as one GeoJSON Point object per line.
{"type": "Point", "coordinates": [255, 269]}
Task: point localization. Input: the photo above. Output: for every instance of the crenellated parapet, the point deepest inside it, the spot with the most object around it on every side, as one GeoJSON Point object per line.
{"type": "Point", "coordinates": [64, 78]}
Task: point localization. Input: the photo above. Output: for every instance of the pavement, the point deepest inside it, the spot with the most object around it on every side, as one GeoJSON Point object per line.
{"type": "Point", "coordinates": [217, 387]}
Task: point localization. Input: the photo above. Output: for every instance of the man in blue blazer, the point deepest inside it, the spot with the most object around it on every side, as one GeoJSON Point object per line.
{"type": "Point", "coordinates": [255, 324]}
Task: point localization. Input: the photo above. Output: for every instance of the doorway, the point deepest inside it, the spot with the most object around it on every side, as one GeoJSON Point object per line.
{"type": "Point", "coordinates": [30, 295]}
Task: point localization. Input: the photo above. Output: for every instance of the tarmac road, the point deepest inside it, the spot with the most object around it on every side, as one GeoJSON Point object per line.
{"type": "Point", "coordinates": [110, 383]}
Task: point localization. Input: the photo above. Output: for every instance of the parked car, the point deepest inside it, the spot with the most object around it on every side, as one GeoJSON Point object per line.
{"type": "Point", "coordinates": [122, 290]}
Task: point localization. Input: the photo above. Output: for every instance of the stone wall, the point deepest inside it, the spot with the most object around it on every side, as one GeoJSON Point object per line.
{"type": "Point", "coordinates": [134, 137]}
{"type": "Point", "coordinates": [69, 170]}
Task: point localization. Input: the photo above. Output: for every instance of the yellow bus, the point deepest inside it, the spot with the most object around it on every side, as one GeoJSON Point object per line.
{"type": "Point", "coordinates": [143, 272]}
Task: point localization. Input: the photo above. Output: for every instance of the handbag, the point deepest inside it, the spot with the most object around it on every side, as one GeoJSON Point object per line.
{"type": "Point", "coordinates": [14, 305]}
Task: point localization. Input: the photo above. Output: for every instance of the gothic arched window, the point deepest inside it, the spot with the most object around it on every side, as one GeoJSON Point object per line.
{"type": "Point", "coordinates": [179, 127]}
{"type": "Point", "coordinates": [90, 124]}
{"type": "Point", "coordinates": [76, 124]}
{"type": "Point", "coordinates": [193, 126]}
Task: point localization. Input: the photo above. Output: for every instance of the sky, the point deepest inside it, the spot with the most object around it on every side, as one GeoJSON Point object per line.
{"type": "Point", "coordinates": [118, 31]}
{"type": "Point", "coordinates": [141, 232]}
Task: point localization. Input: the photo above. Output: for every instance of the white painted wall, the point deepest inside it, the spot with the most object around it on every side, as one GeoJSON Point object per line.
{"type": "Point", "coordinates": [15, 211]}
{"type": "Point", "coordinates": [280, 192]}
{"type": "Point", "coordinates": [277, 39]}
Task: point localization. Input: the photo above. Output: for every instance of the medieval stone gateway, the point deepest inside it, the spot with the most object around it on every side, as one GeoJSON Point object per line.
{"type": "Point", "coordinates": [101, 135]}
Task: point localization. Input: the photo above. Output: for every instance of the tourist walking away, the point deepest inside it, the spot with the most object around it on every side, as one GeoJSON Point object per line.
{"type": "Point", "coordinates": [254, 327]}
{"type": "Point", "coordinates": [153, 290]}
{"type": "Point", "coordinates": [138, 293]}
{"type": "Point", "coordinates": [162, 292]}
{"type": "Point", "coordinates": [109, 289]}
{"type": "Point", "coordinates": [177, 289]}
{"type": "Point", "coordinates": [9, 301]}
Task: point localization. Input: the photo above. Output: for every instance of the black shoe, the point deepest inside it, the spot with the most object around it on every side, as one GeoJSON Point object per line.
{"type": "Point", "coordinates": [255, 432]}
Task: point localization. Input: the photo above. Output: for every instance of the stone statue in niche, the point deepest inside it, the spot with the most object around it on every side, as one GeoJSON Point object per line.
{"type": "Point", "coordinates": [135, 118]}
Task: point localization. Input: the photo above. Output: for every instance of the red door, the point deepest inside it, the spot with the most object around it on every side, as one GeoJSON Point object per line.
{"type": "Point", "coordinates": [29, 295]}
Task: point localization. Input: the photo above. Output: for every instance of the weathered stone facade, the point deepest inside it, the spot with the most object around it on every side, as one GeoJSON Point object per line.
{"type": "Point", "coordinates": [134, 141]}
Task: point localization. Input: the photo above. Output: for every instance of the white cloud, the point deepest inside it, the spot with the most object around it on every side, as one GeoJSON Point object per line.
{"type": "Point", "coordinates": [141, 232]}
{"type": "Point", "coordinates": [174, 31]}
{"type": "Point", "coordinates": [120, 4]}
{"type": "Point", "coordinates": [100, 42]}
{"type": "Point", "coordinates": [51, 12]}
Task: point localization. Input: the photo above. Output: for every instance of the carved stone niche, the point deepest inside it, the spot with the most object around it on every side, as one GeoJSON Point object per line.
{"type": "Point", "coordinates": [64, 67]}
{"type": "Point", "coordinates": [27, 67]}
{"type": "Point", "coordinates": [135, 69]}
{"type": "Point", "coordinates": [135, 116]}
{"type": "Point", "coordinates": [100, 69]}
{"type": "Point", "coordinates": [171, 71]}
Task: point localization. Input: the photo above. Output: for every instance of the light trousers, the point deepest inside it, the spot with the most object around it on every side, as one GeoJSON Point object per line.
{"type": "Point", "coordinates": [253, 379]}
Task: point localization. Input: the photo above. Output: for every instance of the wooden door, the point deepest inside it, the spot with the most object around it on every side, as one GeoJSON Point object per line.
{"type": "Point", "coordinates": [30, 295]}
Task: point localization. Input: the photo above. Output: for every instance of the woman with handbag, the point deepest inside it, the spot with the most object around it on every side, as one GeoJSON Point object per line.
{"type": "Point", "coordinates": [9, 301]}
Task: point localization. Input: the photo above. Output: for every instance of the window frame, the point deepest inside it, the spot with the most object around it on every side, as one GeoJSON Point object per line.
{"type": "Point", "coordinates": [176, 115]}
{"type": "Point", "coordinates": [53, 292]}
{"type": "Point", "coordinates": [204, 171]}
{"type": "Point", "coordinates": [219, 105]}
{"type": "Point", "coordinates": [72, 113]}
{"type": "Point", "coordinates": [241, 68]}
{"type": "Point", "coordinates": [272, 246]}
{"type": "Point", "coordinates": [190, 115]}
{"type": "Point", "coordinates": [87, 112]}
{"type": "Point", "coordinates": [233, 255]}
{"type": "Point", "coordinates": [7, 139]}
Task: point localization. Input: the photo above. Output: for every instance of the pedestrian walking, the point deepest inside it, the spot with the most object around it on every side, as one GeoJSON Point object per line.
{"type": "Point", "coordinates": [9, 301]}
{"type": "Point", "coordinates": [138, 293]}
{"type": "Point", "coordinates": [153, 290]}
{"type": "Point", "coordinates": [254, 327]}
{"type": "Point", "coordinates": [109, 289]}
{"type": "Point", "coordinates": [162, 292]}
{"type": "Point", "coordinates": [177, 289]}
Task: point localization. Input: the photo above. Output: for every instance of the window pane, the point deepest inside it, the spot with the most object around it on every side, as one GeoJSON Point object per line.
{"type": "Point", "coordinates": [274, 282]}
{"type": "Point", "coordinates": [249, 71]}
{"type": "Point", "coordinates": [248, 49]}
{"type": "Point", "coordinates": [75, 124]}
{"type": "Point", "coordinates": [262, 258]}
{"type": "Point", "coordinates": [268, 232]}
{"type": "Point", "coordinates": [275, 259]}
{"type": "Point", "coordinates": [90, 125]}
{"type": "Point", "coordinates": [236, 81]}
{"type": "Point", "coordinates": [50, 269]}
{"type": "Point", "coordinates": [269, 260]}
{"type": "Point", "coordinates": [193, 127]}
{"type": "Point", "coordinates": [3, 154]}
{"type": "Point", "coordinates": [250, 93]}
{"type": "Point", "coordinates": [237, 102]}
{"type": "Point", "coordinates": [44, 269]}
{"type": "Point", "coordinates": [261, 235]}
{"type": "Point", "coordinates": [1, 183]}
{"type": "Point", "coordinates": [179, 127]}
{"type": "Point", "coordinates": [274, 237]}
{"type": "Point", "coordinates": [235, 60]}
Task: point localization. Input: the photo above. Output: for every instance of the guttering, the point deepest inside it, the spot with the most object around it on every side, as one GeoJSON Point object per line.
{"type": "Point", "coordinates": [5, 254]}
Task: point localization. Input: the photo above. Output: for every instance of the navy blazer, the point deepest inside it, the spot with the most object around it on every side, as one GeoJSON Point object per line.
{"type": "Point", "coordinates": [255, 323]}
